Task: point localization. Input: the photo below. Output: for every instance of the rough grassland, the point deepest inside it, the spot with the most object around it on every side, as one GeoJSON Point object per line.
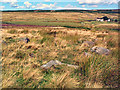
{"type": "Point", "coordinates": [21, 61]}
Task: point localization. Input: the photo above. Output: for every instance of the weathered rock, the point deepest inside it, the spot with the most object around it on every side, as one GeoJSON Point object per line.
{"type": "Point", "coordinates": [56, 62]}
{"type": "Point", "coordinates": [26, 40]}
{"type": "Point", "coordinates": [100, 50]}
{"type": "Point", "coordinates": [87, 44]}
{"type": "Point", "coordinates": [90, 43]}
{"type": "Point", "coordinates": [51, 63]}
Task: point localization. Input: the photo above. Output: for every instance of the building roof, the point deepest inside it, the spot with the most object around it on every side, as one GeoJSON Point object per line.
{"type": "Point", "coordinates": [105, 18]}
{"type": "Point", "coordinates": [99, 18]}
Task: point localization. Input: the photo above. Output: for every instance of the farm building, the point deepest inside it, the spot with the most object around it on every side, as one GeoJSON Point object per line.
{"type": "Point", "coordinates": [105, 18]}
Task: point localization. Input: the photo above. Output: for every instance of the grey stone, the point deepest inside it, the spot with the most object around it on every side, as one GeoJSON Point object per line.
{"type": "Point", "coordinates": [56, 62]}
{"type": "Point", "coordinates": [51, 63]}
{"type": "Point", "coordinates": [90, 43]}
{"type": "Point", "coordinates": [100, 50]}
{"type": "Point", "coordinates": [26, 40]}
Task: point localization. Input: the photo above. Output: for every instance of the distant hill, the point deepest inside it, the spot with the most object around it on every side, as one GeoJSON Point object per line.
{"type": "Point", "coordinates": [82, 11]}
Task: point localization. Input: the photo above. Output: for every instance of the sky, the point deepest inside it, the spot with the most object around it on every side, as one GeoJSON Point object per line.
{"type": "Point", "coordinates": [58, 4]}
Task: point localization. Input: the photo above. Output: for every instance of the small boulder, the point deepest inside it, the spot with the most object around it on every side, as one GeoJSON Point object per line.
{"type": "Point", "coordinates": [56, 62]}
{"type": "Point", "coordinates": [26, 40]}
{"type": "Point", "coordinates": [100, 50]}
{"type": "Point", "coordinates": [86, 44]}
{"type": "Point", "coordinates": [89, 43]}
{"type": "Point", "coordinates": [51, 63]}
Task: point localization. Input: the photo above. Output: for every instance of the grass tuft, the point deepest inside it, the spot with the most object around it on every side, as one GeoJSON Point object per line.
{"type": "Point", "coordinates": [20, 54]}
{"type": "Point", "coordinates": [13, 32]}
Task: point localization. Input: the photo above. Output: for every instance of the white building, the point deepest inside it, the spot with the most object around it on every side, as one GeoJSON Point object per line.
{"type": "Point", "coordinates": [109, 20]}
{"type": "Point", "coordinates": [100, 19]}
{"type": "Point", "coordinates": [103, 19]}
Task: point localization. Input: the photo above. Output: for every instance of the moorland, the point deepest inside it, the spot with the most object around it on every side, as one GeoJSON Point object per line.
{"type": "Point", "coordinates": [61, 36]}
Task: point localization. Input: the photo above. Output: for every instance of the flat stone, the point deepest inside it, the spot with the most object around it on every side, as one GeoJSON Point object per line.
{"type": "Point", "coordinates": [51, 63]}
{"type": "Point", "coordinates": [56, 62]}
{"type": "Point", "coordinates": [100, 50]}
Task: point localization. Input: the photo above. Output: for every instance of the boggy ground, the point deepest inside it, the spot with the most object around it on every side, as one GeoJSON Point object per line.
{"type": "Point", "coordinates": [21, 61]}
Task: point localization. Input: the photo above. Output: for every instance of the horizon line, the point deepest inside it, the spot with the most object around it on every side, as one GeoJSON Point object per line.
{"type": "Point", "coordinates": [58, 9]}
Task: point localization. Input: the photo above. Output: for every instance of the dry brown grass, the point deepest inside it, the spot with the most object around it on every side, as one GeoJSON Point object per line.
{"type": "Point", "coordinates": [21, 61]}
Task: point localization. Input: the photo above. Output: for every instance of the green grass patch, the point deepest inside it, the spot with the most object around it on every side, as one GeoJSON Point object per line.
{"type": "Point", "coordinates": [43, 40]}
{"type": "Point", "coordinates": [20, 81]}
{"type": "Point", "coordinates": [42, 23]}
{"type": "Point", "coordinates": [25, 31]}
{"type": "Point", "coordinates": [10, 40]}
{"type": "Point", "coordinates": [80, 27]}
{"type": "Point", "coordinates": [13, 31]}
{"type": "Point", "coordinates": [110, 44]}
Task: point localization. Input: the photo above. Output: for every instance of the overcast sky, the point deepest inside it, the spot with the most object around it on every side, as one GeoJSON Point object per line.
{"type": "Point", "coordinates": [57, 4]}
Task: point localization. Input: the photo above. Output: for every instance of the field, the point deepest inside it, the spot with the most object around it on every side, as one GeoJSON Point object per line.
{"type": "Point", "coordinates": [58, 36]}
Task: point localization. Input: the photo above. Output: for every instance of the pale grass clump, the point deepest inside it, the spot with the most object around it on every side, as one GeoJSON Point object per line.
{"type": "Point", "coordinates": [93, 85]}
{"type": "Point", "coordinates": [32, 73]}
{"type": "Point", "coordinates": [31, 77]}
{"type": "Point", "coordinates": [53, 54]}
{"type": "Point", "coordinates": [8, 82]}
{"type": "Point", "coordinates": [63, 81]}
{"type": "Point", "coordinates": [11, 75]}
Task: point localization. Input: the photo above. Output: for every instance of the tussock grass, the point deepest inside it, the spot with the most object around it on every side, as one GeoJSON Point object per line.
{"type": "Point", "coordinates": [20, 55]}
{"type": "Point", "coordinates": [24, 31]}
{"type": "Point", "coordinates": [13, 31]}
{"type": "Point", "coordinates": [21, 61]}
